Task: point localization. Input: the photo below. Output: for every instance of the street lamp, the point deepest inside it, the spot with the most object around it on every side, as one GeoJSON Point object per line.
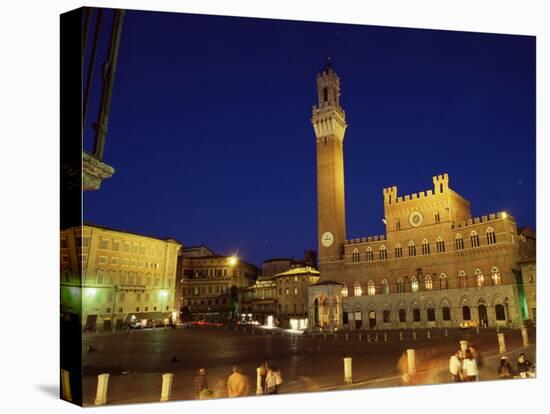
{"type": "Point", "coordinates": [232, 261]}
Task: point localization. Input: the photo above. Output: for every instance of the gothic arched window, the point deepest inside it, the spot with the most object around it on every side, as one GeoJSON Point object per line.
{"type": "Point", "coordinates": [480, 279]}
{"type": "Point", "coordinates": [428, 282]}
{"type": "Point", "coordinates": [398, 251]}
{"type": "Point", "coordinates": [491, 236]}
{"type": "Point", "coordinates": [414, 284]}
{"type": "Point", "coordinates": [371, 289]}
{"type": "Point", "coordinates": [474, 239]}
{"type": "Point", "coordinates": [355, 255]}
{"type": "Point", "coordinates": [440, 244]}
{"type": "Point", "coordinates": [385, 287]}
{"type": "Point", "coordinates": [495, 276]}
{"type": "Point", "coordinates": [370, 256]}
{"type": "Point", "coordinates": [425, 247]}
{"type": "Point", "coordinates": [357, 291]}
{"type": "Point", "coordinates": [383, 253]}
{"type": "Point", "coordinates": [400, 286]}
{"type": "Point", "coordinates": [345, 291]}
{"type": "Point", "coordinates": [459, 242]}
{"type": "Point", "coordinates": [412, 248]}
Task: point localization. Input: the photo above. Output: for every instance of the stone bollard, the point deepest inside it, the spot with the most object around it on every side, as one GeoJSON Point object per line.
{"type": "Point", "coordinates": [525, 336]}
{"type": "Point", "coordinates": [477, 330]}
{"type": "Point", "coordinates": [335, 335]}
{"type": "Point", "coordinates": [376, 337]}
{"type": "Point", "coordinates": [429, 335]}
{"type": "Point", "coordinates": [166, 387]}
{"type": "Point", "coordinates": [498, 329]}
{"type": "Point", "coordinates": [263, 332]}
{"type": "Point", "coordinates": [446, 332]}
{"type": "Point", "coordinates": [400, 336]}
{"type": "Point", "coordinates": [414, 335]}
{"type": "Point", "coordinates": [501, 343]}
{"type": "Point", "coordinates": [66, 386]}
{"type": "Point", "coordinates": [325, 336]}
{"type": "Point", "coordinates": [463, 345]}
{"type": "Point", "coordinates": [385, 337]}
{"type": "Point", "coordinates": [346, 337]}
{"type": "Point", "coordinates": [411, 362]}
{"type": "Point", "coordinates": [360, 337]}
{"type": "Point", "coordinates": [347, 371]}
{"type": "Point", "coordinates": [102, 386]}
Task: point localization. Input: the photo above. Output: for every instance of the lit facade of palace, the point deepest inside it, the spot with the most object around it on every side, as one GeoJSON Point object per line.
{"type": "Point", "coordinates": [111, 277]}
{"type": "Point", "coordinates": [436, 266]}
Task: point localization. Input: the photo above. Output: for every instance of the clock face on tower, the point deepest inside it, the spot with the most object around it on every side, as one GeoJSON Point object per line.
{"type": "Point", "coordinates": [327, 239]}
{"type": "Point", "coordinates": [415, 219]}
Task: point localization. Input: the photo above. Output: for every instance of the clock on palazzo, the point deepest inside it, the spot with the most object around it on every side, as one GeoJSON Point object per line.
{"type": "Point", "coordinates": [415, 219]}
{"type": "Point", "coordinates": [327, 239]}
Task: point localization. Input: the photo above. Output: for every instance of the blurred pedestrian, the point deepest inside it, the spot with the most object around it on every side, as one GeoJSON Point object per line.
{"type": "Point", "coordinates": [469, 367]}
{"type": "Point", "coordinates": [237, 384]}
{"type": "Point", "coordinates": [403, 368]}
{"type": "Point", "coordinates": [524, 365]}
{"type": "Point", "coordinates": [504, 369]}
{"type": "Point", "coordinates": [201, 383]}
{"type": "Point", "coordinates": [477, 356]}
{"type": "Point", "coordinates": [261, 375]}
{"type": "Point", "coordinates": [455, 366]}
{"type": "Point", "coordinates": [274, 379]}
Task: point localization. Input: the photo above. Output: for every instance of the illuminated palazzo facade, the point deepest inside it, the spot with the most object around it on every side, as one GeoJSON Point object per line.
{"type": "Point", "coordinates": [435, 266]}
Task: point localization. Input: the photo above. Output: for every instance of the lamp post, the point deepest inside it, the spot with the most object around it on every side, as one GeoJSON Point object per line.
{"type": "Point", "coordinates": [232, 262]}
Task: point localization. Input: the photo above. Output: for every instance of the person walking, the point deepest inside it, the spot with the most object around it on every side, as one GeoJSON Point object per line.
{"type": "Point", "coordinates": [261, 375]}
{"type": "Point", "coordinates": [201, 383]}
{"type": "Point", "coordinates": [237, 384]}
{"type": "Point", "coordinates": [469, 367]}
{"type": "Point", "coordinates": [504, 369]}
{"type": "Point", "coordinates": [455, 366]}
{"type": "Point", "coordinates": [274, 379]}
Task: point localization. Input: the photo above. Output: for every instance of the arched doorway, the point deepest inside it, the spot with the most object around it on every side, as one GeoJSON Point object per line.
{"type": "Point", "coordinates": [482, 312]}
{"type": "Point", "coordinates": [466, 314]}
{"type": "Point", "coordinates": [372, 319]}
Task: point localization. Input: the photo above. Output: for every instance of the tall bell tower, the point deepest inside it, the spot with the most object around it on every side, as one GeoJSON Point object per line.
{"type": "Point", "coordinates": [329, 123]}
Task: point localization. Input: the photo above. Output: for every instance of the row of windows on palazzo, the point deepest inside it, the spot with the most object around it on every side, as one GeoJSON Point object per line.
{"type": "Point", "coordinates": [478, 279]}
{"type": "Point", "coordinates": [499, 311]}
{"type": "Point", "coordinates": [439, 246]}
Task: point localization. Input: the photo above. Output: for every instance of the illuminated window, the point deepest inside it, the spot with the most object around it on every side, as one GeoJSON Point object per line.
{"type": "Point", "coordinates": [398, 251]}
{"type": "Point", "coordinates": [412, 249]}
{"type": "Point", "coordinates": [385, 287]}
{"type": "Point", "coordinates": [429, 283]}
{"type": "Point", "coordinates": [357, 291]}
{"type": "Point", "coordinates": [414, 284]}
{"type": "Point", "coordinates": [495, 276]}
{"type": "Point", "coordinates": [344, 291]}
{"type": "Point", "coordinates": [400, 286]}
{"type": "Point", "coordinates": [480, 280]}
{"type": "Point", "coordinates": [440, 244]}
{"type": "Point", "coordinates": [383, 253]}
{"type": "Point", "coordinates": [474, 239]}
{"type": "Point", "coordinates": [370, 255]}
{"type": "Point", "coordinates": [425, 247]}
{"type": "Point", "coordinates": [463, 279]}
{"type": "Point", "coordinates": [443, 281]}
{"type": "Point", "coordinates": [355, 255]}
{"type": "Point", "coordinates": [371, 289]}
{"type": "Point", "coordinates": [491, 236]}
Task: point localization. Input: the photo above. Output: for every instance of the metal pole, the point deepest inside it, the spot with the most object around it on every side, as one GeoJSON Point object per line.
{"type": "Point", "coordinates": [109, 70]}
{"type": "Point", "coordinates": [91, 65]}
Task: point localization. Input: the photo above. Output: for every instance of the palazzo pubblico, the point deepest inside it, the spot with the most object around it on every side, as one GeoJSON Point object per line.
{"type": "Point", "coordinates": [436, 266]}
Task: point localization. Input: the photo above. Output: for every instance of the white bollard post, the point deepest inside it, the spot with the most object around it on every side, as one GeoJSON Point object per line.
{"type": "Point", "coordinates": [414, 335]}
{"type": "Point", "coordinates": [463, 346]}
{"type": "Point", "coordinates": [325, 336]}
{"type": "Point", "coordinates": [66, 386]}
{"type": "Point", "coordinates": [400, 336]}
{"type": "Point", "coordinates": [346, 337]}
{"type": "Point", "coordinates": [376, 337]}
{"type": "Point", "coordinates": [166, 387]}
{"type": "Point", "coordinates": [347, 371]}
{"type": "Point", "coordinates": [385, 337]}
{"type": "Point", "coordinates": [446, 332]}
{"type": "Point", "coordinates": [360, 337]}
{"type": "Point", "coordinates": [411, 362]}
{"type": "Point", "coordinates": [102, 386]}
{"type": "Point", "coordinates": [429, 335]}
{"type": "Point", "coordinates": [501, 343]}
{"type": "Point", "coordinates": [498, 329]}
{"type": "Point", "coordinates": [525, 336]}
{"type": "Point", "coordinates": [477, 330]}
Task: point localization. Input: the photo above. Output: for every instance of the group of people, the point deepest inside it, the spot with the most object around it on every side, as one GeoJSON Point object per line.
{"type": "Point", "coordinates": [464, 365]}
{"type": "Point", "coordinates": [269, 379]}
{"type": "Point", "coordinates": [524, 367]}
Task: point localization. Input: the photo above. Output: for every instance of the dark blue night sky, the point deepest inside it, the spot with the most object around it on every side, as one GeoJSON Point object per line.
{"type": "Point", "coordinates": [211, 138]}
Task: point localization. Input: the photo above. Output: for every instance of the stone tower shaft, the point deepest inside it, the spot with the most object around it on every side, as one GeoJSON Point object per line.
{"type": "Point", "coordinates": [329, 124]}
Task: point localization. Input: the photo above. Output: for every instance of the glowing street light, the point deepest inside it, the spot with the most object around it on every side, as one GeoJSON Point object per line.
{"type": "Point", "coordinates": [504, 215]}
{"type": "Point", "coordinates": [163, 293]}
{"type": "Point", "coordinates": [91, 292]}
{"type": "Point", "coordinates": [232, 260]}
